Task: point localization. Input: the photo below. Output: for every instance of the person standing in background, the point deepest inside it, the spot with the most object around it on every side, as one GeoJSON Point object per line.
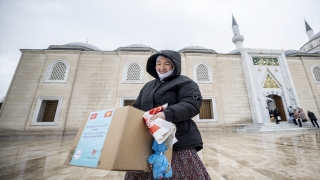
{"type": "Point", "coordinates": [297, 117]}
{"type": "Point", "coordinates": [313, 119]}
{"type": "Point", "coordinates": [290, 111]}
{"type": "Point", "coordinates": [276, 115]}
{"type": "Point", "coordinates": [302, 115]}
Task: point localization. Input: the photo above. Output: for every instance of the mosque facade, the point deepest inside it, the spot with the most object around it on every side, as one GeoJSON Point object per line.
{"type": "Point", "coordinates": [54, 88]}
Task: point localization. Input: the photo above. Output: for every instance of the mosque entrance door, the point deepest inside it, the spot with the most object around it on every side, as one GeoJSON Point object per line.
{"type": "Point", "coordinates": [277, 103]}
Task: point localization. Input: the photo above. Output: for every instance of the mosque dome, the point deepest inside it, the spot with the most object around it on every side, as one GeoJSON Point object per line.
{"type": "Point", "coordinates": [196, 49]}
{"type": "Point", "coordinates": [291, 52]}
{"type": "Point", "coordinates": [85, 45]}
{"type": "Point", "coordinates": [315, 36]}
{"type": "Point", "coordinates": [235, 51]}
{"type": "Point", "coordinates": [310, 46]}
{"type": "Point", "coordinates": [136, 47]}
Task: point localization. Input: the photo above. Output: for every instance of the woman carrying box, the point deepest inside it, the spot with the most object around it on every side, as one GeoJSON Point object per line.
{"type": "Point", "coordinates": [184, 100]}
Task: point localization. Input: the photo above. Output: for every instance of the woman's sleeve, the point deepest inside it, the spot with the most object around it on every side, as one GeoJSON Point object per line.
{"type": "Point", "coordinates": [137, 102]}
{"type": "Point", "coordinates": [190, 100]}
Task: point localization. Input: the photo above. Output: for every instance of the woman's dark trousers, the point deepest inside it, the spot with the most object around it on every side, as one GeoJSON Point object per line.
{"type": "Point", "coordinates": [299, 121]}
{"type": "Point", "coordinates": [295, 122]}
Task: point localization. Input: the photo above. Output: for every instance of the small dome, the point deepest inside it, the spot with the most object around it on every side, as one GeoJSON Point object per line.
{"type": "Point", "coordinates": [291, 52]}
{"type": "Point", "coordinates": [194, 47]}
{"type": "Point", "coordinates": [138, 46]}
{"type": "Point", "coordinates": [86, 45]}
{"type": "Point", "coordinates": [235, 51]}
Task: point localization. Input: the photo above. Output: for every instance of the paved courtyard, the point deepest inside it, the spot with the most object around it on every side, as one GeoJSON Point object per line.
{"type": "Point", "coordinates": [226, 156]}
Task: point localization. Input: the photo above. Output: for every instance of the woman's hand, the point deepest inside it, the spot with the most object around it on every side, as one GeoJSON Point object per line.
{"type": "Point", "coordinates": [158, 115]}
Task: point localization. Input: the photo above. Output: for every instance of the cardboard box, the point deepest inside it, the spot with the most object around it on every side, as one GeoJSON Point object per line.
{"type": "Point", "coordinates": [113, 139]}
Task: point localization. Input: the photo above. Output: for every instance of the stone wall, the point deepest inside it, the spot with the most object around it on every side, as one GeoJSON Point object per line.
{"type": "Point", "coordinates": [308, 91]}
{"type": "Point", "coordinates": [95, 82]}
{"type": "Point", "coordinates": [16, 108]}
{"type": "Point", "coordinates": [234, 96]}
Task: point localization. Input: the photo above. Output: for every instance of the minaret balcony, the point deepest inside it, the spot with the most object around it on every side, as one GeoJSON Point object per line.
{"type": "Point", "coordinates": [236, 38]}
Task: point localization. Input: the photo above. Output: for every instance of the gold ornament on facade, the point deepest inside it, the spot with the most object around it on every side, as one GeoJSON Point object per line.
{"type": "Point", "coordinates": [270, 83]}
{"type": "Point", "coordinates": [265, 61]}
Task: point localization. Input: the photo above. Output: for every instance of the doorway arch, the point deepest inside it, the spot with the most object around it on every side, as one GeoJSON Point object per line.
{"type": "Point", "coordinates": [277, 103]}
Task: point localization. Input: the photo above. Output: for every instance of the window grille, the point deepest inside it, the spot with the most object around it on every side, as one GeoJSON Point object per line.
{"type": "Point", "coordinates": [202, 73]}
{"type": "Point", "coordinates": [316, 73]}
{"type": "Point", "coordinates": [133, 72]}
{"type": "Point", "coordinates": [128, 102]}
{"type": "Point", "coordinates": [206, 109]}
{"type": "Point", "coordinates": [58, 71]}
{"type": "Point", "coordinates": [47, 111]}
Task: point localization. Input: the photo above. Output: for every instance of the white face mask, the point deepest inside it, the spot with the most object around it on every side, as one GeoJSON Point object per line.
{"type": "Point", "coordinates": [162, 76]}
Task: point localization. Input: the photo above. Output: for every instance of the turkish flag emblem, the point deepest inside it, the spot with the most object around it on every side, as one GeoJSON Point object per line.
{"type": "Point", "coordinates": [93, 116]}
{"type": "Point", "coordinates": [108, 114]}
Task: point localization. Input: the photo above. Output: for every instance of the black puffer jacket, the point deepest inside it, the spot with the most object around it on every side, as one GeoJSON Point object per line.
{"type": "Point", "coordinates": [182, 95]}
{"type": "Point", "coordinates": [311, 115]}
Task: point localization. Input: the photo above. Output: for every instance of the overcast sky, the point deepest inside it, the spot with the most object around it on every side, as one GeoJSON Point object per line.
{"type": "Point", "coordinates": [37, 24]}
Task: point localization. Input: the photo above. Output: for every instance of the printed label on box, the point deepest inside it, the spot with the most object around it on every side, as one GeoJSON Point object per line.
{"type": "Point", "coordinates": [92, 139]}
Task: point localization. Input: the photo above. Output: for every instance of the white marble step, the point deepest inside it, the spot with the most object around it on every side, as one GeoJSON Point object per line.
{"type": "Point", "coordinates": [282, 127]}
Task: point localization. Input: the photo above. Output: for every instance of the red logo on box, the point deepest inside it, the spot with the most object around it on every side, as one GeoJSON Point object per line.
{"type": "Point", "coordinates": [93, 116]}
{"type": "Point", "coordinates": [94, 152]}
{"type": "Point", "coordinates": [108, 114]}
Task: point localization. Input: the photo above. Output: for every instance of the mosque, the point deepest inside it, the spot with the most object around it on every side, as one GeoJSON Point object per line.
{"type": "Point", "coordinates": [53, 89]}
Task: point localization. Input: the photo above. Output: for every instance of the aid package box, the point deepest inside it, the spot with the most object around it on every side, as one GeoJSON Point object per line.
{"type": "Point", "coordinates": [113, 139]}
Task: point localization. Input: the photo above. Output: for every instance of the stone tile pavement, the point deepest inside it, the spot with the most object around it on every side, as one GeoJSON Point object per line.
{"type": "Point", "coordinates": [225, 155]}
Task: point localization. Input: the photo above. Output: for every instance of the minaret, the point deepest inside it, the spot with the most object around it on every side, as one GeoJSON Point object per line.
{"type": "Point", "coordinates": [237, 39]}
{"type": "Point", "coordinates": [309, 30]}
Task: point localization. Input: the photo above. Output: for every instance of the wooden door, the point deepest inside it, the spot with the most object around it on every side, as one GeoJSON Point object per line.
{"type": "Point", "coordinates": [279, 105]}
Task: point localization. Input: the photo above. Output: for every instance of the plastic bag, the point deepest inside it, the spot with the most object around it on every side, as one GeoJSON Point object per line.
{"type": "Point", "coordinates": [158, 162]}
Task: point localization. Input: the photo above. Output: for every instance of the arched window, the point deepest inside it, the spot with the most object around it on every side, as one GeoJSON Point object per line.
{"type": "Point", "coordinates": [58, 71]}
{"type": "Point", "coordinates": [316, 73]}
{"type": "Point", "coordinates": [311, 46]}
{"type": "Point", "coordinates": [133, 73]}
{"type": "Point", "coordinates": [202, 73]}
